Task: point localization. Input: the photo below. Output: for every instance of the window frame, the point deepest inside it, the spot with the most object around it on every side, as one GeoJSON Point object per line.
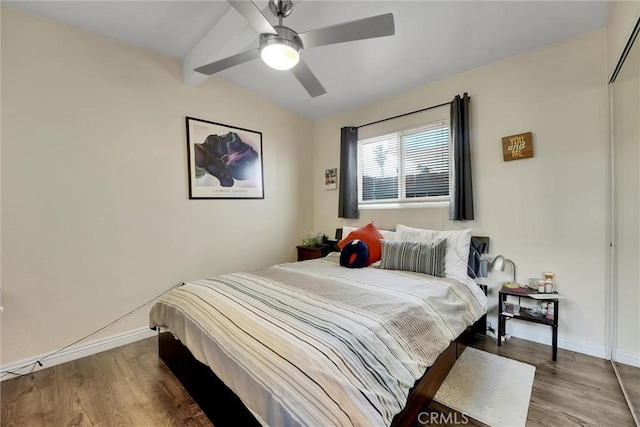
{"type": "Point", "coordinates": [402, 201]}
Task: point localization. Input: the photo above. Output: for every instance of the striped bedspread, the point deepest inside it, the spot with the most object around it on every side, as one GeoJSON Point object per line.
{"type": "Point", "coordinates": [316, 344]}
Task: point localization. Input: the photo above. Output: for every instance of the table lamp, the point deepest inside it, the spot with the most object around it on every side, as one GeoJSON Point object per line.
{"type": "Point", "coordinates": [499, 262]}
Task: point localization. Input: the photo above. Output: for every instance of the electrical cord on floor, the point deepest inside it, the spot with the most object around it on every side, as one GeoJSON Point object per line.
{"type": "Point", "coordinates": [490, 328]}
{"type": "Point", "coordinates": [42, 359]}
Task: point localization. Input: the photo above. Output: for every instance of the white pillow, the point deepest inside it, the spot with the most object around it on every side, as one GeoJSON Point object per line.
{"type": "Point", "coordinates": [387, 235]}
{"type": "Point", "coordinates": [458, 242]}
{"type": "Point", "coordinates": [346, 230]}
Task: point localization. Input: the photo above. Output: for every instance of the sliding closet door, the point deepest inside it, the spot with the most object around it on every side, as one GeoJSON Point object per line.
{"type": "Point", "coordinates": [625, 91]}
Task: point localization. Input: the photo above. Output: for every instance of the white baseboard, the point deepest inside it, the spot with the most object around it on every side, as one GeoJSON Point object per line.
{"type": "Point", "coordinates": [627, 357]}
{"type": "Point", "coordinates": [77, 351]}
{"type": "Point", "coordinates": [531, 333]}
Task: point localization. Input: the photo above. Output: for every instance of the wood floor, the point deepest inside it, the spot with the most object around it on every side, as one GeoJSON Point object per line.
{"type": "Point", "coordinates": [577, 390]}
{"type": "Point", "coordinates": [130, 386]}
{"type": "Point", "coordinates": [630, 377]}
{"type": "Point", "coordinates": [126, 386]}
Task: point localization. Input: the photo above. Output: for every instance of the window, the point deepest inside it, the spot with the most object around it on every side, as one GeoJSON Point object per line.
{"type": "Point", "coordinates": [403, 167]}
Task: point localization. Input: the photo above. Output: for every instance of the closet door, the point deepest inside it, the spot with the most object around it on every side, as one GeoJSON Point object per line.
{"type": "Point", "coordinates": [625, 91]}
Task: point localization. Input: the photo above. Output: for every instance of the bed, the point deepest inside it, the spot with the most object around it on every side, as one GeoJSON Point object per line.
{"type": "Point", "coordinates": [314, 343]}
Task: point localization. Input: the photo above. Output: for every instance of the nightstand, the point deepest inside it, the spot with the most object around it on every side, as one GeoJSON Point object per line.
{"type": "Point", "coordinates": [524, 314]}
{"type": "Point", "coordinates": [313, 252]}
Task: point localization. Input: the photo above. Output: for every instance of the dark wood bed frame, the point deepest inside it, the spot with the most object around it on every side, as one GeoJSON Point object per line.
{"type": "Point", "coordinates": [224, 408]}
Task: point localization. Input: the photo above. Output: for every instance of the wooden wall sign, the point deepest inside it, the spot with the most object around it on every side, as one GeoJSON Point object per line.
{"type": "Point", "coordinates": [516, 147]}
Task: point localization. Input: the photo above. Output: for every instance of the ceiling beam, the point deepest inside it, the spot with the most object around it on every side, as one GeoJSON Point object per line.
{"type": "Point", "coordinates": [231, 35]}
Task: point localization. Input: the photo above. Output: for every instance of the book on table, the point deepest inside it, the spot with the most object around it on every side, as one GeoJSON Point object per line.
{"type": "Point", "coordinates": [543, 296]}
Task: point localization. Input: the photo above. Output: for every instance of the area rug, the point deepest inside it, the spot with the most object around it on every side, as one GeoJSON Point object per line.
{"type": "Point", "coordinates": [491, 389]}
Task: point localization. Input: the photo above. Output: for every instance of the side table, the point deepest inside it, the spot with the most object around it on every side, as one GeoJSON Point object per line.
{"type": "Point", "coordinates": [525, 315]}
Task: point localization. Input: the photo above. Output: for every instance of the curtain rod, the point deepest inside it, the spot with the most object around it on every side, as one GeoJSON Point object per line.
{"type": "Point", "coordinates": [406, 114]}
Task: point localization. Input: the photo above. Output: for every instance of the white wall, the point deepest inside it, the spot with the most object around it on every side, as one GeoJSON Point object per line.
{"type": "Point", "coordinates": [95, 211]}
{"type": "Point", "coordinates": [623, 15]}
{"type": "Point", "coordinates": [545, 213]}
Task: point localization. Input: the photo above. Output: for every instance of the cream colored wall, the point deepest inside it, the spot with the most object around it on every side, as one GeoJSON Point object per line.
{"type": "Point", "coordinates": [545, 213]}
{"type": "Point", "coordinates": [95, 211]}
{"type": "Point", "coordinates": [623, 15]}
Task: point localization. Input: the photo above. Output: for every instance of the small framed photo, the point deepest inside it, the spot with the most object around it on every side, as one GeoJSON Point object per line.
{"type": "Point", "coordinates": [224, 161]}
{"type": "Point", "coordinates": [331, 179]}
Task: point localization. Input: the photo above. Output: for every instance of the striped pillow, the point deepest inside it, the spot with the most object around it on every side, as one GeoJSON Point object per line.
{"type": "Point", "coordinates": [425, 258]}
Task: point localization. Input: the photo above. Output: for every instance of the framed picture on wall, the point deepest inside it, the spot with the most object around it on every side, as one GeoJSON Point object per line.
{"type": "Point", "coordinates": [224, 161]}
{"type": "Point", "coordinates": [331, 179]}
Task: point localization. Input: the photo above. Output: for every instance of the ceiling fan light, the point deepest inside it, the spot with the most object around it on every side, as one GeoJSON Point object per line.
{"type": "Point", "coordinates": [280, 54]}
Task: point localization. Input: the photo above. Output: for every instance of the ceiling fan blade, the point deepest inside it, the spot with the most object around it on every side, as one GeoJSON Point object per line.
{"type": "Point", "coordinates": [252, 14]}
{"type": "Point", "coordinates": [367, 28]}
{"type": "Point", "coordinates": [308, 79]}
{"type": "Point", "coordinates": [228, 62]}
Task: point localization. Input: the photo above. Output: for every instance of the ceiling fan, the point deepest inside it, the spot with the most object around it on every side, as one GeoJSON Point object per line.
{"type": "Point", "coordinates": [280, 46]}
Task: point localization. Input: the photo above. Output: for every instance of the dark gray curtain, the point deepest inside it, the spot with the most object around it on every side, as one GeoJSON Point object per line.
{"type": "Point", "coordinates": [461, 187]}
{"type": "Point", "coordinates": [348, 193]}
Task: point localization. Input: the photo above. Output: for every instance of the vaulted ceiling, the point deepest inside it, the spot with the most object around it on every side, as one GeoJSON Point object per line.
{"type": "Point", "coordinates": [433, 40]}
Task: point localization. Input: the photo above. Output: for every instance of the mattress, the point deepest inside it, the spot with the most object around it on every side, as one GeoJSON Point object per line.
{"type": "Point", "coordinates": [313, 343]}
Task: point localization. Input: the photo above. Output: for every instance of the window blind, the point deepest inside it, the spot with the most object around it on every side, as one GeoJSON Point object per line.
{"type": "Point", "coordinates": [411, 165]}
